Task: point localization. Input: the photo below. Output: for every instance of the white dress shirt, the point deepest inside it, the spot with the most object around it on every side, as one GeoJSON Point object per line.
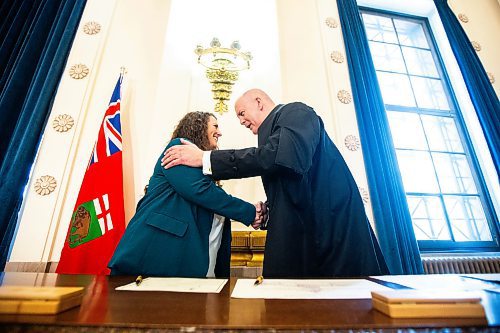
{"type": "Point", "coordinates": [214, 240]}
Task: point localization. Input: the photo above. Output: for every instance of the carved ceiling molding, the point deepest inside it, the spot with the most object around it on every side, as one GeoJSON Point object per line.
{"type": "Point", "coordinates": [344, 96]}
{"type": "Point", "coordinates": [337, 57]}
{"type": "Point", "coordinates": [63, 123]}
{"type": "Point", "coordinates": [463, 18]}
{"type": "Point", "coordinates": [92, 28]}
{"type": "Point", "coordinates": [331, 22]}
{"type": "Point", "coordinates": [45, 185]}
{"type": "Point", "coordinates": [364, 194]}
{"type": "Point", "coordinates": [476, 46]}
{"type": "Point", "coordinates": [352, 142]}
{"type": "Point", "coordinates": [491, 77]}
{"type": "Point", "coordinates": [78, 71]}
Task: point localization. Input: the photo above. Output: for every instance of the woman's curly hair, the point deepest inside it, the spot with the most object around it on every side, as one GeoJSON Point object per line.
{"type": "Point", "coordinates": [193, 126]}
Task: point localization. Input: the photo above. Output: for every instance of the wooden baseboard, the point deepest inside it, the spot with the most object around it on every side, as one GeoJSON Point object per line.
{"type": "Point", "coordinates": [32, 267]}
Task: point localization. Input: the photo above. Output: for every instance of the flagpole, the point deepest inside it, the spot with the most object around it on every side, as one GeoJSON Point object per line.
{"type": "Point", "coordinates": [123, 71]}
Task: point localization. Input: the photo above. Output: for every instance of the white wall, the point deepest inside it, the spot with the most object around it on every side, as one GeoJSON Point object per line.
{"type": "Point", "coordinates": [309, 74]}
{"type": "Point", "coordinates": [483, 27]}
{"type": "Point", "coordinates": [183, 86]}
{"type": "Point", "coordinates": [44, 219]}
{"type": "Point", "coordinates": [154, 39]}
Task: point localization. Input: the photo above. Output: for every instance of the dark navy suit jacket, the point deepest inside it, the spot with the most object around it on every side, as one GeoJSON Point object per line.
{"type": "Point", "coordinates": [317, 222]}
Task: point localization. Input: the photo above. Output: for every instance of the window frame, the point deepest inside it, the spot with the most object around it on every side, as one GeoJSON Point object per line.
{"type": "Point", "coordinates": [429, 246]}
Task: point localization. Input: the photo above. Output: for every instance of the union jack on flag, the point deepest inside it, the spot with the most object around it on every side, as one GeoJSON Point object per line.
{"type": "Point", "coordinates": [109, 140]}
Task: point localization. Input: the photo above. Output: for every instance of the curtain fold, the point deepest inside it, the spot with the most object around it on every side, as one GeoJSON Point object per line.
{"type": "Point", "coordinates": [36, 37]}
{"type": "Point", "coordinates": [483, 96]}
{"type": "Point", "coordinates": [14, 28]}
{"type": "Point", "coordinates": [392, 218]}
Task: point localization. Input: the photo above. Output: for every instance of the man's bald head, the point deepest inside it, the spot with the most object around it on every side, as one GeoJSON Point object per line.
{"type": "Point", "coordinates": [252, 108]}
{"type": "Point", "coordinates": [253, 94]}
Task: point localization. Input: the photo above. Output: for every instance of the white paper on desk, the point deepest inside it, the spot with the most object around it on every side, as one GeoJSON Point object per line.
{"type": "Point", "coordinates": [183, 285]}
{"type": "Point", "coordinates": [436, 281]}
{"type": "Point", "coordinates": [306, 289]}
{"type": "Point", "coordinates": [486, 276]}
{"type": "Point", "coordinates": [491, 280]}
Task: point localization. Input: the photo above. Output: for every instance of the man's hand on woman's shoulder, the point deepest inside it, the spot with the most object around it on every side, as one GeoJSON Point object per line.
{"type": "Point", "coordinates": [186, 154]}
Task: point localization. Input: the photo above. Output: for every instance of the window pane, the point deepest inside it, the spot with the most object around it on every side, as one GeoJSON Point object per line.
{"type": "Point", "coordinates": [467, 218]}
{"type": "Point", "coordinates": [429, 93]}
{"type": "Point", "coordinates": [419, 62]}
{"type": "Point", "coordinates": [454, 173]}
{"type": "Point", "coordinates": [428, 218]}
{"type": "Point", "coordinates": [411, 34]}
{"type": "Point", "coordinates": [407, 131]}
{"type": "Point", "coordinates": [430, 141]}
{"type": "Point", "coordinates": [442, 134]}
{"type": "Point", "coordinates": [396, 89]}
{"type": "Point", "coordinates": [387, 57]}
{"type": "Point", "coordinates": [379, 28]}
{"type": "Point", "coordinates": [417, 171]}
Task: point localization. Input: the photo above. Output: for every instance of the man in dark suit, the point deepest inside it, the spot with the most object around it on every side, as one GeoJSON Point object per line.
{"type": "Point", "coordinates": [317, 223]}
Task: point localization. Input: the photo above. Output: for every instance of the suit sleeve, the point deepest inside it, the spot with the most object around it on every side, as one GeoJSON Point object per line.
{"type": "Point", "coordinates": [291, 145]}
{"type": "Point", "coordinates": [192, 185]}
{"type": "Point", "coordinates": [248, 162]}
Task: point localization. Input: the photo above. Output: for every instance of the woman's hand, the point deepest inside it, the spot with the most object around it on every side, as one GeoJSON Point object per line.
{"type": "Point", "coordinates": [260, 214]}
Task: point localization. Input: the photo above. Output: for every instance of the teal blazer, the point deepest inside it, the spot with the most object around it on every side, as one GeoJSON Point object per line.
{"type": "Point", "coordinates": [168, 235]}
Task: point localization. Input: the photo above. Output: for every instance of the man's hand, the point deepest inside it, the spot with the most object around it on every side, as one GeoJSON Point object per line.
{"type": "Point", "coordinates": [265, 215]}
{"type": "Point", "coordinates": [186, 154]}
{"type": "Point", "coordinates": [260, 214]}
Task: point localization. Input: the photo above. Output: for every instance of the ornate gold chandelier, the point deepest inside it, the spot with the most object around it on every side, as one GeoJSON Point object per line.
{"type": "Point", "coordinates": [223, 65]}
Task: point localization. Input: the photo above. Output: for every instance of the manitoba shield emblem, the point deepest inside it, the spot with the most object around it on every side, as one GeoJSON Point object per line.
{"type": "Point", "coordinates": [87, 222]}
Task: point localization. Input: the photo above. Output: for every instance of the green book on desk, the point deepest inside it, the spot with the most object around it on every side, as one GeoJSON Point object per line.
{"type": "Point", "coordinates": [409, 303]}
{"type": "Point", "coordinates": [38, 300]}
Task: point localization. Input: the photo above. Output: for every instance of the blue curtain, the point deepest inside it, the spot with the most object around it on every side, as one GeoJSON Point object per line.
{"type": "Point", "coordinates": [481, 91]}
{"type": "Point", "coordinates": [35, 39]}
{"type": "Point", "coordinates": [392, 218]}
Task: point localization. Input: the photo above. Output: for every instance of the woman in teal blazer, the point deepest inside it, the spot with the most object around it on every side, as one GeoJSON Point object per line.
{"type": "Point", "coordinates": [174, 227]}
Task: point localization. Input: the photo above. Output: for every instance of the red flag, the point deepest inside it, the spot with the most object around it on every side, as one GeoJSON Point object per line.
{"type": "Point", "coordinates": [98, 220]}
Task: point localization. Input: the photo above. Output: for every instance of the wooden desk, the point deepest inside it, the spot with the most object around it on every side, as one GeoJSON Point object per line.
{"type": "Point", "coordinates": [103, 307]}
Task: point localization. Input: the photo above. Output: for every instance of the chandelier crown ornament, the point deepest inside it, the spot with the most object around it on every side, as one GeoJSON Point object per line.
{"type": "Point", "coordinates": [236, 45]}
{"type": "Point", "coordinates": [215, 42]}
{"type": "Point", "coordinates": [218, 57]}
{"type": "Point", "coordinates": [222, 67]}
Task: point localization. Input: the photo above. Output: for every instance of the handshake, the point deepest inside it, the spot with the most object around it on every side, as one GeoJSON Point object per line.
{"type": "Point", "coordinates": [261, 216]}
